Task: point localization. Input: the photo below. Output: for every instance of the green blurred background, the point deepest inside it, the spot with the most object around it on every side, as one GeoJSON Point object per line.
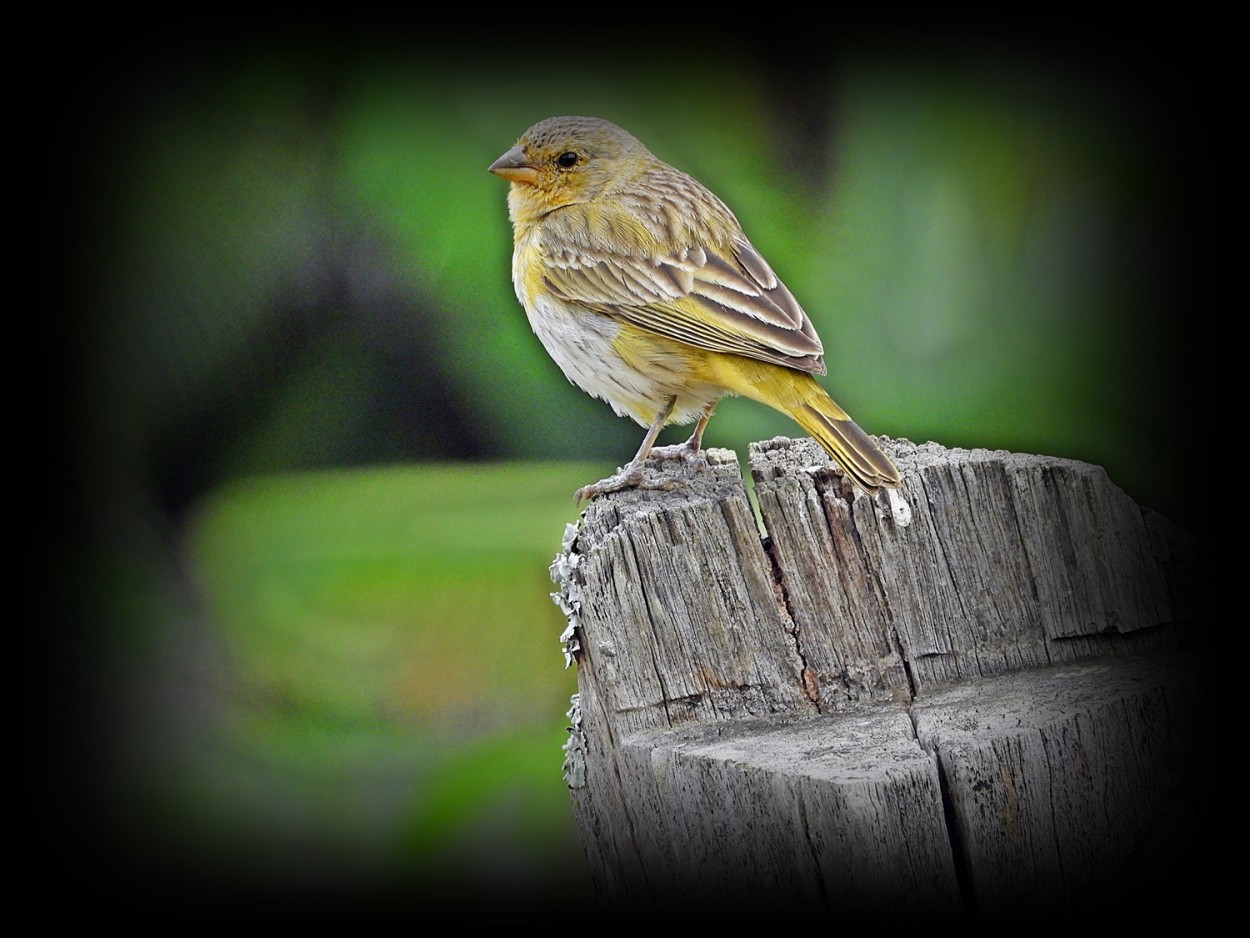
{"type": "Point", "coordinates": [319, 464]}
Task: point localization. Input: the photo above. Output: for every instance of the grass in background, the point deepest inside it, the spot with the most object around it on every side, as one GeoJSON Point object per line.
{"type": "Point", "coordinates": [395, 691]}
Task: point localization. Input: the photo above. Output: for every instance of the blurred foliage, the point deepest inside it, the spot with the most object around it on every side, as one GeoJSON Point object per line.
{"type": "Point", "coordinates": [397, 662]}
{"type": "Point", "coordinates": [369, 699]}
{"type": "Point", "coordinates": [288, 257]}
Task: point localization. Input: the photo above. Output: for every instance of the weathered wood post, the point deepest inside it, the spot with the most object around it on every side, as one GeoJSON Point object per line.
{"type": "Point", "coordinates": [975, 702]}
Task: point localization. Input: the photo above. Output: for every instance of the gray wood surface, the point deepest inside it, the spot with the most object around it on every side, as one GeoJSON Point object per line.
{"type": "Point", "coordinates": [976, 703]}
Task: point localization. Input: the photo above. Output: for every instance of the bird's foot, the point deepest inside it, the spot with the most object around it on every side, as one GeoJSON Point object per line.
{"type": "Point", "coordinates": [691, 456]}
{"type": "Point", "coordinates": [630, 477]}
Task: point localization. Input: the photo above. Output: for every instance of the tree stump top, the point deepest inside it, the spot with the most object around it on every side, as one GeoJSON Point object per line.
{"type": "Point", "coordinates": [971, 699]}
{"type": "Point", "coordinates": [1006, 562]}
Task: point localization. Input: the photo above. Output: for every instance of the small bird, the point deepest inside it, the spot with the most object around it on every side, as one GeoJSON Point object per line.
{"type": "Point", "coordinates": [641, 285]}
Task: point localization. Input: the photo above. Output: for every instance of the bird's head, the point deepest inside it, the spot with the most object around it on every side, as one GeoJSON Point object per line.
{"type": "Point", "coordinates": [565, 160]}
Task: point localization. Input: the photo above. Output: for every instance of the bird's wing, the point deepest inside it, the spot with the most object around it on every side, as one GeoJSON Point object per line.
{"type": "Point", "coordinates": [732, 303]}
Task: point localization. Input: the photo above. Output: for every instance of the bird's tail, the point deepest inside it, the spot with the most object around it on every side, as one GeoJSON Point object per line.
{"type": "Point", "coordinates": [798, 395]}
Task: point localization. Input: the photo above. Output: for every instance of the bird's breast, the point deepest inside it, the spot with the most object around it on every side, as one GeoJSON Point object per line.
{"type": "Point", "coordinates": [611, 361]}
{"type": "Point", "coordinates": [635, 370]}
{"type": "Point", "coordinates": [583, 345]}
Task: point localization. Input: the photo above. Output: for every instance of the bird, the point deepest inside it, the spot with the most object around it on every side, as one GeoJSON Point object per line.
{"type": "Point", "coordinates": [642, 286]}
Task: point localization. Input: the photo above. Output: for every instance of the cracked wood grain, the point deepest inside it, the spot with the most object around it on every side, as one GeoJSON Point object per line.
{"type": "Point", "coordinates": [979, 712]}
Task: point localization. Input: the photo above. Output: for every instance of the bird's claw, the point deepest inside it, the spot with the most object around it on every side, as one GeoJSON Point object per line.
{"type": "Point", "coordinates": [627, 478]}
{"type": "Point", "coordinates": [693, 458]}
{"type": "Point", "coordinates": [631, 476]}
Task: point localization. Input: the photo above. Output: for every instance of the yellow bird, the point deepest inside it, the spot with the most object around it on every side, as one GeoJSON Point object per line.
{"type": "Point", "coordinates": [641, 285]}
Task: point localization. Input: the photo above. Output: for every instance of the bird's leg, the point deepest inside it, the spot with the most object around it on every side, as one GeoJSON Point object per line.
{"type": "Point", "coordinates": [691, 450]}
{"type": "Point", "coordinates": [630, 476]}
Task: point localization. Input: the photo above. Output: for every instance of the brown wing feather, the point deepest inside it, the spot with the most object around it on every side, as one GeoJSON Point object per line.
{"type": "Point", "coordinates": [726, 303]}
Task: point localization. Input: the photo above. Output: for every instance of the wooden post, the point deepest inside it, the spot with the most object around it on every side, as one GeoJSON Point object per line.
{"type": "Point", "coordinates": [975, 702]}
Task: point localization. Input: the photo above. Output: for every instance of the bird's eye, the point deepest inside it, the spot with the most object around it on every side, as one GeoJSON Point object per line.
{"type": "Point", "coordinates": [566, 159]}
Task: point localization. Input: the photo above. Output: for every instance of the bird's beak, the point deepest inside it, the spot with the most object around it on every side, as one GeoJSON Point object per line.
{"type": "Point", "coordinates": [513, 167]}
